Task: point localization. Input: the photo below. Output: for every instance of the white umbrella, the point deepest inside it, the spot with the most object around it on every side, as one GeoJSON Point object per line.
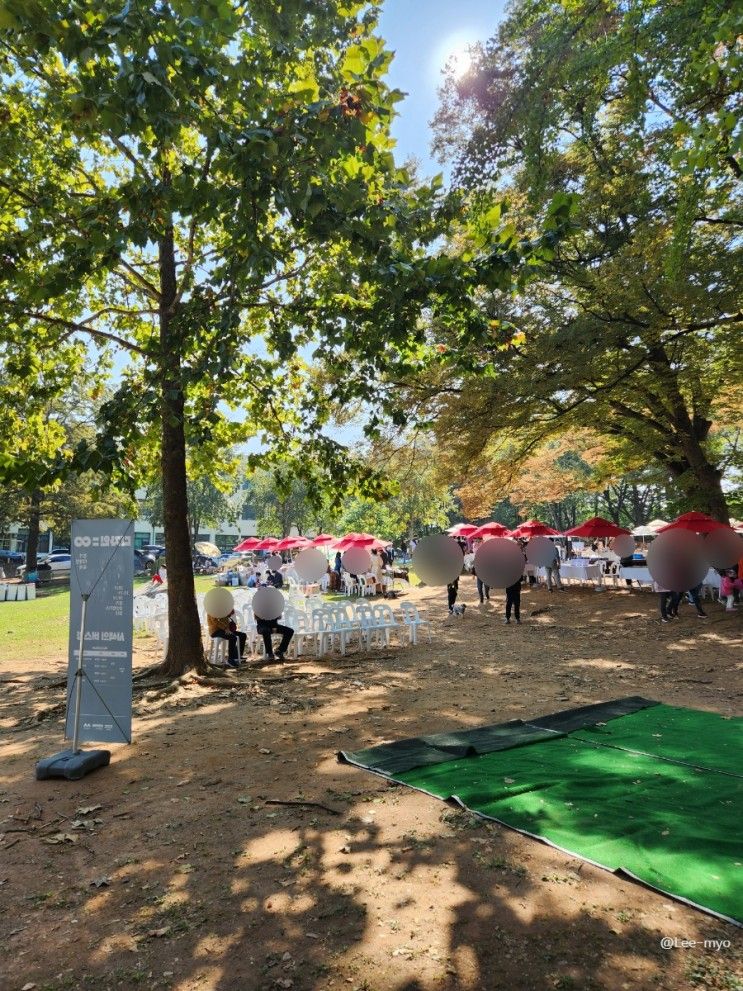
{"type": "Point", "coordinates": [649, 529]}
{"type": "Point", "coordinates": [207, 549]}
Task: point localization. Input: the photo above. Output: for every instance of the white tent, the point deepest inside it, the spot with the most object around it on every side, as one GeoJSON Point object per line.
{"type": "Point", "coordinates": [649, 529]}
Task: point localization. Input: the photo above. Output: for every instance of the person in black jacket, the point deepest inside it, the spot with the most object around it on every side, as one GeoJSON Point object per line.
{"type": "Point", "coordinates": [513, 601]}
{"type": "Point", "coordinates": [452, 589]}
{"type": "Point", "coordinates": [276, 579]}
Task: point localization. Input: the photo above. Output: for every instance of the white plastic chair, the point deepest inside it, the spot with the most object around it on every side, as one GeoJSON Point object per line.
{"type": "Point", "coordinates": [350, 585]}
{"type": "Point", "coordinates": [321, 627]}
{"type": "Point", "coordinates": [160, 628]}
{"type": "Point", "coordinates": [385, 620]}
{"type": "Point", "coordinates": [218, 652]}
{"type": "Point", "coordinates": [413, 620]}
{"type": "Point", "coordinates": [370, 628]}
{"type": "Point", "coordinates": [304, 632]}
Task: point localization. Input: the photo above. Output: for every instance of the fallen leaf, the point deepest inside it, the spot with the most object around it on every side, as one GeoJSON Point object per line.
{"type": "Point", "coordinates": [100, 882]}
{"type": "Point", "coordinates": [245, 799]}
{"type": "Point", "coordinates": [346, 848]}
{"type": "Point", "coordinates": [28, 987]}
{"type": "Point", "coordinates": [263, 750]}
{"type": "Point", "coordinates": [158, 933]}
{"type": "Point", "coordinates": [60, 838]}
{"type": "Point", "coordinates": [86, 810]}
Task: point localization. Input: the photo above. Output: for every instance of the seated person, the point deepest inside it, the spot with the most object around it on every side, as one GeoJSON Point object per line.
{"type": "Point", "coordinates": [227, 629]}
{"type": "Point", "coordinates": [275, 578]}
{"type": "Point", "coordinates": [267, 627]}
{"type": "Point", "coordinates": [252, 580]}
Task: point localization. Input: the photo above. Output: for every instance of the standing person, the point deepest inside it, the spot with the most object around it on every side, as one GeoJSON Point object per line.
{"type": "Point", "coordinates": [377, 567]}
{"type": "Point", "coordinates": [483, 591]}
{"type": "Point", "coordinates": [452, 589]}
{"type": "Point", "coordinates": [693, 596]}
{"type": "Point", "coordinates": [668, 602]}
{"type": "Point", "coordinates": [553, 570]}
{"type": "Point", "coordinates": [226, 629]}
{"type": "Point", "coordinates": [513, 601]}
{"type": "Point", "coordinates": [338, 565]}
{"type": "Point", "coordinates": [729, 585]}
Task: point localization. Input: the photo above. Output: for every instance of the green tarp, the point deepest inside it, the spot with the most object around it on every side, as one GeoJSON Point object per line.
{"type": "Point", "coordinates": [646, 789]}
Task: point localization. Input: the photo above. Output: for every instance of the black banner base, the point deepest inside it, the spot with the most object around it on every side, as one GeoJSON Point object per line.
{"type": "Point", "coordinates": [71, 765]}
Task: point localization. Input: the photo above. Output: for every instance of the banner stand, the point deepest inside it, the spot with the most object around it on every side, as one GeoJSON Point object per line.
{"type": "Point", "coordinates": [75, 763]}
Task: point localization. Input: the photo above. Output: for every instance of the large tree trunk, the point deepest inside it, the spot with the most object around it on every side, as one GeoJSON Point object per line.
{"type": "Point", "coordinates": [701, 483]}
{"type": "Point", "coordinates": [185, 648]}
{"type": "Point", "coordinates": [32, 541]}
{"type": "Point", "coordinates": [698, 478]}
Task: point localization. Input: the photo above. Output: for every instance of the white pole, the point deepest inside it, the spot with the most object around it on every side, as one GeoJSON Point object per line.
{"type": "Point", "coordinates": [79, 676]}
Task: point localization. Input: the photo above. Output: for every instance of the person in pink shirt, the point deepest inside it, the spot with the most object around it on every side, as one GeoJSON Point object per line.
{"type": "Point", "coordinates": [729, 585]}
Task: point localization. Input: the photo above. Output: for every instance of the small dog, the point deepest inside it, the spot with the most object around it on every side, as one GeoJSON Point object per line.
{"type": "Point", "coordinates": [458, 609]}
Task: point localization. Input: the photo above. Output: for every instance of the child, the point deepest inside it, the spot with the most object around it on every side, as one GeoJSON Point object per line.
{"type": "Point", "coordinates": [729, 585]}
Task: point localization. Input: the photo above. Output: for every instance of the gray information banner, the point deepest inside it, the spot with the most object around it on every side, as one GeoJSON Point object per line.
{"type": "Point", "coordinates": [102, 567]}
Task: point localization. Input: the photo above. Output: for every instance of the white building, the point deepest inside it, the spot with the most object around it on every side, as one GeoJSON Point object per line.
{"type": "Point", "coordinates": [225, 535]}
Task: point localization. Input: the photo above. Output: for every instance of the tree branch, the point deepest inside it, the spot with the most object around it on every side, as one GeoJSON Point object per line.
{"type": "Point", "coordinates": [74, 327]}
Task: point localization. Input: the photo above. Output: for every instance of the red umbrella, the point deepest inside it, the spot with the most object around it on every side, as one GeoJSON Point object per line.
{"type": "Point", "coordinates": [597, 526]}
{"type": "Point", "coordinates": [462, 530]}
{"type": "Point", "coordinates": [322, 539]}
{"type": "Point", "coordinates": [267, 544]}
{"type": "Point", "coordinates": [291, 543]}
{"type": "Point", "coordinates": [368, 545]}
{"type": "Point", "coordinates": [534, 528]}
{"type": "Point", "coordinates": [492, 529]}
{"type": "Point", "coordinates": [696, 522]}
{"type": "Point", "coordinates": [355, 540]}
{"type": "Point", "coordinates": [249, 544]}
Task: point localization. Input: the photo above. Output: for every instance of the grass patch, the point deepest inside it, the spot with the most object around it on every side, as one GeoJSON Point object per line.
{"type": "Point", "coordinates": [40, 628]}
{"type": "Point", "coordinates": [37, 628]}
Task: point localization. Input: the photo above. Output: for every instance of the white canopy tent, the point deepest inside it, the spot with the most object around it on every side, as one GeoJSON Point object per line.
{"type": "Point", "coordinates": [649, 529]}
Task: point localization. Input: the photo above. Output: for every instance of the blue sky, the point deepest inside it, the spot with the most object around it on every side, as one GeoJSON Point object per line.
{"type": "Point", "coordinates": [423, 34]}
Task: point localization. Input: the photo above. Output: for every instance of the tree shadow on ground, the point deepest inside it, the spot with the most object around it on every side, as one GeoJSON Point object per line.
{"type": "Point", "coordinates": [187, 878]}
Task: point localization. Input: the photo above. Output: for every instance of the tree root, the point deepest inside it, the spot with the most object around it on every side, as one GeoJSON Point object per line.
{"type": "Point", "coordinates": [309, 805]}
{"type": "Point", "coordinates": [209, 682]}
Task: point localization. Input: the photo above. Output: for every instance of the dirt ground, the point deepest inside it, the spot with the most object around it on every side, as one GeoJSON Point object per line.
{"type": "Point", "coordinates": [172, 869]}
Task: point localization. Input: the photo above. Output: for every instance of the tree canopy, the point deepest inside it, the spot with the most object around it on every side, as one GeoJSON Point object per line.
{"type": "Point", "coordinates": [632, 327]}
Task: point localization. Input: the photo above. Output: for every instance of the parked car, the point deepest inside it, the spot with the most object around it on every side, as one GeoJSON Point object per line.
{"type": "Point", "coordinates": [142, 563]}
{"type": "Point", "coordinates": [54, 566]}
{"type": "Point", "coordinates": [10, 561]}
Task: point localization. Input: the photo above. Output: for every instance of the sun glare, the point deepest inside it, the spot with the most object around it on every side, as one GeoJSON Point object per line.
{"type": "Point", "coordinates": [460, 61]}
